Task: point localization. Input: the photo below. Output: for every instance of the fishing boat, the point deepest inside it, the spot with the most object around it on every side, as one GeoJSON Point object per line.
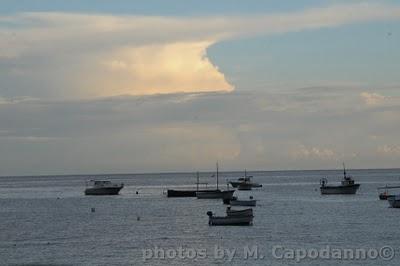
{"type": "Point", "coordinates": [245, 181]}
{"type": "Point", "coordinates": [249, 202]}
{"type": "Point", "coordinates": [383, 195]}
{"type": "Point", "coordinates": [245, 212]}
{"type": "Point", "coordinates": [394, 201]}
{"type": "Point", "coordinates": [102, 187]}
{"type": "Point", "coordinates": [347, 186]}
{"type": "Point", "coordinates": [172, 193]}
{"type": "Point", "coordinates": [216, 194]}
{"type": "Point", "coordinates": [229, 220]}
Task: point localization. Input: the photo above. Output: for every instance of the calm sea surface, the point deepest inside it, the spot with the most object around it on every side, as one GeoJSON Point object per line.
{"type": "Point", "coordinates": [47, 220]}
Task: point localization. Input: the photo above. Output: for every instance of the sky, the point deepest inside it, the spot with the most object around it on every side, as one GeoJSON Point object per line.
{"type": "Point", "coordinates": [92, 87]}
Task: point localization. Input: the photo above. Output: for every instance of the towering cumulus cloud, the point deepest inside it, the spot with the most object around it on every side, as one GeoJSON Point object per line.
{"type": "Point", "coordinates": [68, 55]}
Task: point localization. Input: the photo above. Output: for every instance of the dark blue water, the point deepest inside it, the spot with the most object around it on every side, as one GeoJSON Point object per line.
{"type": "Point", "coordinates": [48, 220]}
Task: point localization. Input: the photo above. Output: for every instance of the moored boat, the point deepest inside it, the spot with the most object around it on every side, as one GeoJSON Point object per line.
{"type": "Point", "coordinates": [347, 186]}
{"type": "Point", "coordinates": [186, 193]}
{"type": "Point", "coordinates": [102, 187]}
{"type": "Point", "coordinates": [229, 220]}
{"type": "Point", "coordinates": [216, 194]}
{"type": "Point", "coordinates": [384, 195]}
{"type": "Point", "coordinates": [244, 183]}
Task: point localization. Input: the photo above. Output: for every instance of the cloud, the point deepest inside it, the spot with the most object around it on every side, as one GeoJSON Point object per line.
{"type": "Point", "coordinates": [59, 55]}
{"type": "Point", "coordinates": [372, 98]}
{"type": "Point", "coordinates": [389, 150]}
{"type": "Point", "coordinates": [303, 152]}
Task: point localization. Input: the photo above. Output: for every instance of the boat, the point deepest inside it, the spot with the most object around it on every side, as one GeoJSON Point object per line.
{"type": "Point", "coordinates": [385, 193]}
{"type": "Point", "coordinates": [249, 202]}
{"type": "Point", "coordinates": [229, 220]}
{"type": "Point", "coordinates": [215, 194]}
{"type": "Point", "coordinates": [245, 212]}
{"type": "Point", "coordinates": [394, 201]}
{"type": "Point", "coordinates": [347, 186]}
{"type": "Point", "coordinates": [246, 180]}
{"type": "Point", "coordinates": [172, 193]}
{"type": "Point", "coordinates": [102, 187]}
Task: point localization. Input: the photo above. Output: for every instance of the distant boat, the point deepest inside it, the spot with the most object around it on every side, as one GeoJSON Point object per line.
{"type": "Point", "coordinates": [229, 220]}
{"type": "Point", "coordinates": [216, 194]}
{"type": "Point", "coordinates": [172, 193]}
{"type": "Point", "coordinates": [244, 183]}
{"type": "Point", "coordinates": [384, 195]}
{"type": "Point", "coordinates": [249, 202]}
{"type": "Point", "coordinates": [348, 186]}
{"type": "Point", "coordinates": [102, 187]}
{"type": "Point", "coordinates": [394, 201]}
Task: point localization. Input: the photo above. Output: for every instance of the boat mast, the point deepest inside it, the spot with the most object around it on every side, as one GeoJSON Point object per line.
{"type": "Point", "coordinates": [217, 175]}
{"type": "Point", "coordinates": [344, 171]}
{"type": "Point", "coordinates": [197, 184]}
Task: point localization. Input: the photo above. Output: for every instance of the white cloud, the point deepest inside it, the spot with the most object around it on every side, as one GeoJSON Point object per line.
{"type": "Point", "coordinates": [304, 152]}
{"type": "Point", "coordinates": [372, 98]}
{"type": "Point", "coordinates": [389, 149]}
{"type": "Point", "coordinates": [80, 55]}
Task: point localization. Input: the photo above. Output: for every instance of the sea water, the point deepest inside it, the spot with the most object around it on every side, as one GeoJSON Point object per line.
{"type": "Point", "coordinates": [47, 220]}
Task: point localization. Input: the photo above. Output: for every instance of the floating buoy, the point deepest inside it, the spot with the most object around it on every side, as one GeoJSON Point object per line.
{"type": "Point", "coordinates": [137, 192]}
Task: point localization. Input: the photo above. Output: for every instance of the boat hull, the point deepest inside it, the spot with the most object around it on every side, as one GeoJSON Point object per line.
{"type": "Point", "coordinates": [239, 213]}
{"type": "Point", "coordinates": [336, 190]}
{"type": "Point", "coordinates": [231, 220]}
{"type": "Point", "coordinates": [250, 203]}
{"type": "Point", "coordinates": [228, 194]}
{"type": "Point", "coordinates": [103, 191]}
{"type": "Point", "coordinates": [171, 193]}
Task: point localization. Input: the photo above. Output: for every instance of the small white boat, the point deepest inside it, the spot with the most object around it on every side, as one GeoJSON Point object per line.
{"type": "Point", "coordinates": [249, 202]}
{"type": "Point", "coordinates": [102, 187]}
{"type": "Point", "coordinates": [229, 220]}
{"type": "Point", "coordinates": [245, 212]}
{"type": "Point", "coordinates": [394, 201]}
{"type": "Point", "coordinates": [244, 183]}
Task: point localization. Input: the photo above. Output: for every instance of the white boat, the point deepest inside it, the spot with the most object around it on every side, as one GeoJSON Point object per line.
{"type": "Point", "coordinates": [249, 202]}
{"type": "Point", "coordinates": [229, 220]}
{"type": "Point", "coordinates": [102, 187]}
{"type": "Point", "coordinates": [245, 212]}
{"type": "Point", "coordinates": [245, 181]}
{"type": "Point", "coordinates": [394, 201]}
{"type": "Point", "coordinates": [347, 186]}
